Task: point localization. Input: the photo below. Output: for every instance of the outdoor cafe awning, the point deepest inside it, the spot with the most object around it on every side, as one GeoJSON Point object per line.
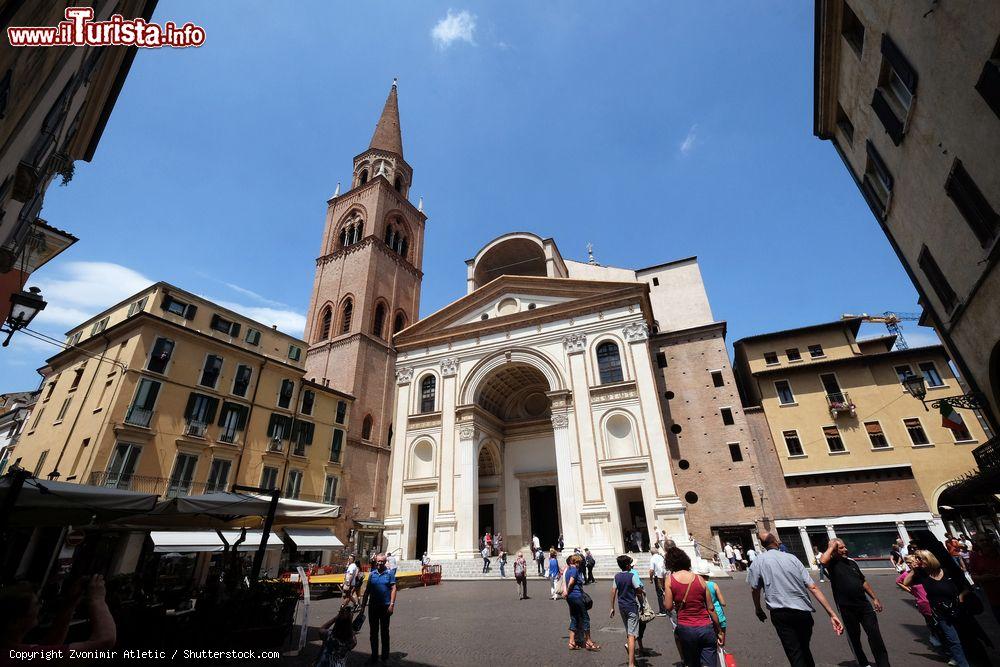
{"type": "Point", "coordinates": [252, 541]}
{"type": "Point", "coordinates": [43, 503]}
{"type": "Point", "coordinates": [186, 541]}
{"type": "Point", "coordinates": [312, 539]}
{"type": "Point", "coordinates": [230, 510]}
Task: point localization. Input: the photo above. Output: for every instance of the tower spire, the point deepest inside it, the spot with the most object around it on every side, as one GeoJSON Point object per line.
{"type": "Point", "coordinates": [387, 136]}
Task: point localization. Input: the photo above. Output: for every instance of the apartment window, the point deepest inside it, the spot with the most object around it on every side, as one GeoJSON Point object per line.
{"type": "Point", "coordinates": [341, 411]}
{"type": "Point", "coordinates": [428, 389]}
{"type": "Point", "coordinates": [877, 182]}
{"type": "Point", "coordinates": [74, 339]}
{"type": "Point", "coordinates": [63, 409]}
{"type": "Point", "coordinates": [717, 379]}
{"type": "Point", "coordinates": [269, 478]}
{"type": "Point", "coordinates": [793, 354]}
{"type": "Point", "coordinates": [294, 484]}
{"type": "Point", "coordinates": [163, 349]}
{"type": "Point", "coordinates": [833, 441]}
{"type": "Point", "coordinates": [210, 373]}
{"type": "Point", "coordinates": [177, 307]}
{"type": "Point", "coordinates": [199, 413]}
{"type": "Point", "coordinates": [51, 388]}
{"type": "Point", "coordinates": [897, 85]}
{"type": "Point", "coordinates": [183, 474]}
{"type": "Point", "coordinates": [746, 493]}
{"type": "Point", "coordinates": [961, 433]}
{"type": "Point", "coordinates": [337, 446]}
{"type": "Point", "coordinates": [735, 452]}
{"type": "Point", "coordinates": [253, 337]}
{"type": "Point", "coordinates": [99, 326]}
{"type": "Point", "coordinates": [76, 460]}
{"type": "Point", "coordinates": [285, 394]}
{"type": "Point", "coordinates": [902, 372]}
{"type": "Point", "coordinates": [121, 465]}
{"type": "Point", "coordinates": [916, 431]}
{"type": "Point", "coordinates": [137, 306]}
{"type": "Point", "coordinates": [241, 382]}
{"type": "Point", "coordinates": [845, 124]}
{"type": "Point", "coordinates": [141, 411]}
{"type": "Point", "coordinates": [218, 475]}
{"type": "Point", "coordinates": [816, 351]}
{"type": "Point", "coordinates": [278, 429]}
{"type": "Point", "coordinates": [225, 326]}
{"type": "Point", "coordinates": [784, 391]}
{"type": "Point", "coordinates": [104, 394]}
{"type": "Point", "coordinates": [294, 352]}
{"type": "Point", "coordinates": [38, 418]}
{"type": "Point", "coordinates": [727, 416]}
{"type": "Point", "coordinates": [329, 489]}
{"type": "Point", "coordinates": [852, 29]}
{"type": "Point", "coordinates": [308, 399]}
{"type": "Point", "coordinates": [831, 386]}
{"type": "Point", "coordinates": [656, 282]}
{"type": "Point", "coordinates": [770, 358]}
{"type": "Point", "coordinates": [232, 420]}
{"type": "Point", "coordinates": [77, 376]}
{"type": "Point", "coordinates": [930, 373]}
{"type": "Point", "coordinates": [945, 294]}
{"type": "Point", "coordinates": [302, 436]}
{"type": "Point", "coordinates": [661, 360]}
{"type": "Point", "coordinates": [41, 461]}
{"type": "Point", "coordinates": [876, 435]}
{"type": "Point", "coordinates": [988, 84]}
{"type": "Point", "coordinates": [609, 363]}
{"type": "Point", "coordinates": [970, 202]}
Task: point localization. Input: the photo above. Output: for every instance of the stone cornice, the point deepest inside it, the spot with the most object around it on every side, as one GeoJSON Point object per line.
{"type": "Point", "coordinates": [613, 392]}
{"type": "Point", "coordinates": [351, 339]}
{"type": "Point", "coordinates": [374, 242]}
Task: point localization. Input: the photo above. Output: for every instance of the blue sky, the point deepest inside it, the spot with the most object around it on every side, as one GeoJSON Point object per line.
{"type": "Point", "coordinates": [655, 131]}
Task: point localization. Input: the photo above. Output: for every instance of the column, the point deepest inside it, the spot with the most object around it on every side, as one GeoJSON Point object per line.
{"type": "Point", "coordinates": [576, 346]}
{"type": "Point", "coordinates": [466, 493]}
{"type": "Point", "coordinates": [404, 377]}
{"type": "Point", "coordinates": [564, 470]}
{"type": "Point", "coordinates": [446, 480]}
{"type": "Point", "coordinates": [903, 535]}
{"type": "Point", "coordinates": [807, 544]}
{"type": "Point", "coordinates": [936, 528]}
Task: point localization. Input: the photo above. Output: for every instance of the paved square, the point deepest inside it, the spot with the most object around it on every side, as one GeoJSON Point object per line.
{"type": "Point", "coordinates": [481, 622]}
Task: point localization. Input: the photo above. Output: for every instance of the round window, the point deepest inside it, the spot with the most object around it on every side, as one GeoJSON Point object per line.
{"type": "Point", "coordinates": [619, 427]}
{"type": "Point", "coordinates": [507, 306]}
{"type": "Point", "coordinates": [691, 497]}
{"type": "Point", "coordinates": [536, 404]}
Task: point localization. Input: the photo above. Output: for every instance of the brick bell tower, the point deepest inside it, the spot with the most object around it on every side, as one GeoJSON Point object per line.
{"type": "Point", "coordinates": [367, 288]}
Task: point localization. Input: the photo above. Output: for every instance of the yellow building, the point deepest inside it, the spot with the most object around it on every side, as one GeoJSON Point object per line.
{"type": "Point", "coordinates": [852, 446]}
{"type": "Point", "coordinates": [169, 393]}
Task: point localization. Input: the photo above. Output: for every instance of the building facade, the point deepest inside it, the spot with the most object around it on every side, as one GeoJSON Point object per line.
{"type": "Point", "coordinates": [531, 406]}
{"type": "Point", "coordinates": [919, 128]}
{"type": "Point", "coordinates": [169, 393]}
{"type": "Point", "coordinates": [844, 449]}
{"type": "Point", "coordinates": [14, 409]}
{"type": "Point", "coordinates": [54, 104]}
{"type": "Point", "coordinates": [366, 290]}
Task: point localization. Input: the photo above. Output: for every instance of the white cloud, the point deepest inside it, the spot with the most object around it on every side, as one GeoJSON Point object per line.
{"type": "Point", "coordinates": [76, 291]}
{"type": "Point", "coordinates": [689, 141]}
{"type": "Point", "coordinates": [455, 26]}
{"type": "Point", "coordinates": [253, 295]}
{"type": "Point", "coordinates": [288, 321]}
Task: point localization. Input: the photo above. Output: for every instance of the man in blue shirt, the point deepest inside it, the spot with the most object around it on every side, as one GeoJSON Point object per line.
{"type": "Point", "coordinates": [381, 598]}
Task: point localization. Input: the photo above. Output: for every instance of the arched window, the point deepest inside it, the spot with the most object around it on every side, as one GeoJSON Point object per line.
{"type": "Point", "coordinates": [364, 177]}
{"type": "Point", "coordinates": [325, 323]}
{"type": "Point", "coordinates": [609, 363]}
{"type": "Point", "coordinates": [399, 324]}
{"type": "Point", "coordinates": [359, 232]}
{"type": "Point", "coordinates": [352, 232]}
{"type": "Point", "coordinates": [486, 463]}
{"type": "Point", "coordinates": [388, 235]}
{"type": "Point", "coordinates": [378, 324]}
{"type": "Point", "coordinates": [345, 317]}
{"type": "Point", "coordinates": [428, 388]}
{"type": "Point", "coordinates": [366, 428]}
{"type": "Point", "coordinates": [402, 248]}
{"type": "Point", "coordinates": [398, 184]}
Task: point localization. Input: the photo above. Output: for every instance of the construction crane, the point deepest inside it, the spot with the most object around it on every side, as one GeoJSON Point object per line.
{"type": "Point", "coordinates": [891, 321]}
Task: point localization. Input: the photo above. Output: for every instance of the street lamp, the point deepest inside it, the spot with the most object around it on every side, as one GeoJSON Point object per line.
{"type": "Point", "coordinates": [23, 308]}
{"type": "Point", "coordinates": [916, 386]}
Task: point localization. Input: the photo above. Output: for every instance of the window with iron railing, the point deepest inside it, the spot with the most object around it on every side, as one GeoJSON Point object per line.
{"type": "Point", "coordinates": [140, 413]}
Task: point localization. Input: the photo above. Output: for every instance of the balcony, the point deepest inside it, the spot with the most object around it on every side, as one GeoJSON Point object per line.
{"type": "Point", "coordinates": [840, 404]}
{"type": "Point", "coordinates": [161, 486]}
{"type": "Point", "coordinates": [196, 429]}
{"type": "Point", "coordinates": [137, 416]}
{"type": "Point", "coordinates": [228, 436]}
{"type": "Point", "coordinates": [318, 498]}
{"type": "Point", "coordinates": [987, 455]}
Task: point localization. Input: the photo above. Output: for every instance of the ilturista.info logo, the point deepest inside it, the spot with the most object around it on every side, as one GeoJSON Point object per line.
{"type": "Point", "coordinates": [80, 29]}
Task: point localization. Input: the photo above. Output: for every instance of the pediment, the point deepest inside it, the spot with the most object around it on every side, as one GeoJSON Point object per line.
{"type": "Point", "coordinates": [516, 301]}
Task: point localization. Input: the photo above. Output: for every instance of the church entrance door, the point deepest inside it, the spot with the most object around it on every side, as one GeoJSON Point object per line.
{"type": "Point", "coordinates": [544, 514]}
{"type": "Point", "coordinates": [486, 522]}
{"type": "Point", "coordinates": [423, 526]}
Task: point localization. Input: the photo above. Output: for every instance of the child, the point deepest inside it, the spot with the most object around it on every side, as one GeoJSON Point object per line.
{"type": "Point", "coordinates": [339, 641]}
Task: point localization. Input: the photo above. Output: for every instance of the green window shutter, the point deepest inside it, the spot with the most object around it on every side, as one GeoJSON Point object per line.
{"type": "Point", "coordinates": [190, 312]}
{"type": "Point", "coordinates": [154, 389]}
{"type": "Point", "coordinates": [271, 424]}
{"type": "Point", "coordinates": [190, 405]}
{"type": "Point", "coordinates": [213, 404]}
{"type": "Point", "coordinates": [241, 417]}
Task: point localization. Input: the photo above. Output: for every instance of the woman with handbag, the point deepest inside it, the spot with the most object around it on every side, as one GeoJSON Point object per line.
{"type": "Point", "coordinates": [698, 629]}
{"type": "Point", "coordinates": [945, 600]}
{"type": "Point", "coordinates": [579, 604]}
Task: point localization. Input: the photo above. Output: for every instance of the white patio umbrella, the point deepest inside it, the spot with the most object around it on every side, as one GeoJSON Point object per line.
{"type": "Point", "coordinates": [44, 503]}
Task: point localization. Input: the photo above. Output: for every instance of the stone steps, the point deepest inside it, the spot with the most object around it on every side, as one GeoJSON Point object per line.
{"type": "Point", "coordinates": [472, 568]}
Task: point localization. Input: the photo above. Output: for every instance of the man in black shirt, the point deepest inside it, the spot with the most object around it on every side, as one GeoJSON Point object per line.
{"type": "Point", "coordinates": [851, 592]}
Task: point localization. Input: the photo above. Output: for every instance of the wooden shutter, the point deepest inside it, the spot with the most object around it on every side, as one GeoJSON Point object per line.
{"type": "Point", "coordinates": [213, 405]}
{"type": "Point", "coordinates": [154, 389]}
{"type": "Point", "coordinates": [234, 331]}
{"type": "Point", "coordinates": [876, 159]}
{"type": "Point", "coordinates": [972, 204]}
{"type": "Point", "coordinates": [190, 405]}
{"type": "Point", "coordinates": [271, 424]}
{"type": "Point", "coordinates": [241, 417]}
{"type": "Point", "coordinates": [895, 57]}
{"type": "Point", "coordinates": [893, 126]}
{"type": "Point", "coordinates": [189, 313]}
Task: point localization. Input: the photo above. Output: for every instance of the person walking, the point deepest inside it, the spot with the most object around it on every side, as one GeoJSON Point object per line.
{"type": "Point", "coordinates": [391, 563]}
{"type": "Point", "coordinates": [698, 632]}
{"type": "Point", "coordinates": [485, 553]}
{"type": "Point", "coordinates": [786, 586]}
{"type": "Point", "coordinates": [718, 600]}
{"type": "Point", "coordinates": [521, 576]}
{"type": "Point", "coordinates": [502, 562]}
{"type": "Point", "coordinates": [488, 541]}
{"type": "Point", "coordinates": [553, 570]}
{"type": "Point", "coordinates": [658, 574]}
{"type": "Point", "coordinates": [339, 641]}
{"type": "Point", "coordinates": [695, 545]}
{"type": "Point", "coordinates": [579, 617]}
{"type": "Point", "coordinates": [349, 590]}
{"type": "Point", "coordinates": [657, 537]}
{"type": "Point", "coordinates": [896, 557]}
{"type": "Point", "coordinates": [737, 557]}
{"type": "Point", "coordinates": [539, 557]}
{"type": "Point", "coordinates": [589, 562]}
{"type": "Point", "coordinates": [627, 592]}
{"type": "Point", "coordinates": [817, 555]}
{"type": "Point", "coordinates": [536, 544]}
{"type": "Point", "coordinates": [922, 604]}
{"type": "Point", "coordinates": [730, 556]}
{"type": "Point", "coordinates": [380, 596]}
{"type": "Point", "coordinates": [498, 542]}
{"type": "Point", "coordinates": [560, 544]}
{"type": "Point", "coordinates": [945, 597]}
{"type": "Point", "coordinates": [851, 592]}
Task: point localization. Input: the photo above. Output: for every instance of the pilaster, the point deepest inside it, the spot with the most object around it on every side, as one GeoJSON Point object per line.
{"type": "Point", "coordinates": [576, 345]}
{"type": "Point", "coordinates": [446, 488]}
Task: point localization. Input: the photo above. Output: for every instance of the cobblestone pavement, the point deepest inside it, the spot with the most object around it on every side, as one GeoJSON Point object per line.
{"type": "Point", "coordinates": [483, 623]}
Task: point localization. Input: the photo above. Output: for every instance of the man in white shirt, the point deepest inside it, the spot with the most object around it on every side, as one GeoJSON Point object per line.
{"type": "Point", "coordinates": [349, 589]}
{"type": "Point", "coordinates": [536, 544]}
{"type": "Point", "coordinates": [657, 537]}
{"type": "Point", "coordinates": [730, 556]}
{"type": "Point", "coordinates": [658, 573]}
{"type": "Point", "coordinates": [390, 563]}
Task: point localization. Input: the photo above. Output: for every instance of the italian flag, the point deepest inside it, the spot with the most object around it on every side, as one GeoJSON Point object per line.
{"type": "Point", "coordinates": [950, 418]}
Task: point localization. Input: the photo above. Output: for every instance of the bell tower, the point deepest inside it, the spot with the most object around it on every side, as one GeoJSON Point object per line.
{"type": "Point", "coordinates": [367, 288]}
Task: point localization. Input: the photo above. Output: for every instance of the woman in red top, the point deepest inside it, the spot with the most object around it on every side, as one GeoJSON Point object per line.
{"type": "Point", "coordinates": [698, 629]}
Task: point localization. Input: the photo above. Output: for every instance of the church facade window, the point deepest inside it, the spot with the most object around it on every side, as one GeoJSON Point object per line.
{"type": "Point", "coordinates": [428, 392]}
{"type": "Point", "coordinates": [609, 363]}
